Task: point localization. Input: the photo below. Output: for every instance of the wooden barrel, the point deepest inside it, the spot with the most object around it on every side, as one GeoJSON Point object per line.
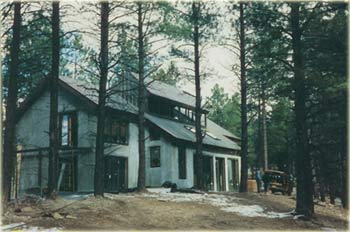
{"type": "Point", "coordinates": [252, 187]}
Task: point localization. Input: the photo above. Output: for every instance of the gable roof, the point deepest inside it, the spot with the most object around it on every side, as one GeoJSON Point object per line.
{"type": "Point", "coordinates": [90, 91]}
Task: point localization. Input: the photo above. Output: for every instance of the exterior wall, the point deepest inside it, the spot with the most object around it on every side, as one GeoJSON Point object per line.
{"type": "Point", "coordinates": [32, 129]}
{"type": "Point", "coordinates": [129, 151]}
{"type": "Point", "coordinates": [32, 132]}
{"type": "Point", "coordinates": [169, 167]}
{"type": "Point", "coordinates": [156, 176]}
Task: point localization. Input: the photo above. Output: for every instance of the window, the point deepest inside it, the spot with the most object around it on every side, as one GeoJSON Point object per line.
{"type": "Point", "coordinates": [68, 129]}
{"type": "Point", "coordinates": [182, 163]}
{"type": "Point", "coordinates": [116, 131]}
{"type": "Point", "coordinates": [155, 156]}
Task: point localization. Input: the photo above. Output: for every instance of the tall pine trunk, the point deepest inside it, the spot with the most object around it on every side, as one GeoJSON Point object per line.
{"type": "Point", "coordinates": [53, 153]}
{"type": "Point", "coordinates": [304, 204]}
{"type": "Point", "coordinates": [141, 101]}
{"type": "Point", "coordinates": [244, 125]}
{"type": "Point", "coordinates": [259, 150]}
{"type": "Point", "coordinates": [344, 155]}
{"type": "Point", "coordinates": [199, 138]}
{"type": "Point", "coordinates": [264, 127]}
{"type": "Point", "coordinates": [101, 111]}
{"type": "Point", "coordinates": [9, 154]}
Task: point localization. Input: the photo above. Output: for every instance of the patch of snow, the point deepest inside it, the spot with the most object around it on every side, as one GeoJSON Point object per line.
{"type": "Point", "coordinates": [11, 226]}
{"type": "Point", "coordinates": [225, 203]}
{"type": "Point", "coordinates": [246, 210]}
{"type": "Point", "coordinates": [118, 196]}
{"type": "Point", "coordinates": [23, 227]}
{"type": "Point", "coordinates": [38, 229]}
{"type": "Point", "coordinates": [327, 229]}
{"type": "Point", "coordinates": [159, 190]}
{"type": "Point", "coordinates": [298, 216]}
{"type": "Point", "coordinates": [76, 196]}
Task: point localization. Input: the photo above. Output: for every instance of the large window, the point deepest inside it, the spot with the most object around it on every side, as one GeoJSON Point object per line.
{"type": "Point", "coordinates": [116, 131]}
{"type": "Point", "coordinates": [68, 129]}
{"type": "Point", "coordinates": [155, 156]}
{"type": "Point", "coordinates": [182, 162]}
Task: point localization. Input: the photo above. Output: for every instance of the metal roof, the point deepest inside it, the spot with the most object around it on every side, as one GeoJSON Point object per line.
{"type": "Point", "coordinates": [170, 92]}
{"type": "Point", "coordinates": [182, 131]}
{"type": "Point", "coordinates": [216, 129]}
{"type": "Point", "coordinates": [90, 91]}
{"type": "Point", "coordinates": [216, 135]}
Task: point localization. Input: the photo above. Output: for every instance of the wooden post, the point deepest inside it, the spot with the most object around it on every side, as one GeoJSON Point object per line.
{"type": "Point", "coordinates": [39, 172]}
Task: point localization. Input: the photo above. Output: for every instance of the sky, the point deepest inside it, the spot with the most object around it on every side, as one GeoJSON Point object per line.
{"type": "Point", "coordinates": [217, 59]}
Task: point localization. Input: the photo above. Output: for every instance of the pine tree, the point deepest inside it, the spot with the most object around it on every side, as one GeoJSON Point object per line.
{"type": "Point", "coordinates": [54, 140]}
{"type": "Point", "coordinates": [101, 111]}
{"type": "Point", "coordinates": [9, 154]}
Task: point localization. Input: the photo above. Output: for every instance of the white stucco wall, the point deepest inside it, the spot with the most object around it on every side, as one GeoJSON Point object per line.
{"type": "Point", "coordinates": [32, 132]}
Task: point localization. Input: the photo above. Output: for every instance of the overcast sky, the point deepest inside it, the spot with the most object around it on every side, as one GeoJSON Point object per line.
{"type": "Point", "coordinates": [217, 59]}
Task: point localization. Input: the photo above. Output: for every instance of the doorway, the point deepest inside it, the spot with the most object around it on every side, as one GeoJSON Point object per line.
{"type": "Point", "coordinates": [116, 174]}
{"type": "Point", "coordinates": [233, 175]}
{"type": "Point", "coordinates": [67, 179]}
{"type": "Point", "coordinates": [220, 174]}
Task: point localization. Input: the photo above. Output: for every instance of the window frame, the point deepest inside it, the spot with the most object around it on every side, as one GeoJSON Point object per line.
{"type": "Point", "coordinates": [151, 154]}
{"type": "Point", "coordinates": [114, 137]}
{"type": "Point", "coordinates": [182, 163]}
{"type": "Point", "coordinates": [72, 140]}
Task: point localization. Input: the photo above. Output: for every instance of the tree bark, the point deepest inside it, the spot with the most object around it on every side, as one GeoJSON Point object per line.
{"type": "Point", "coordinates": [304, 204]}
{"type": "Point", "coordinates": [101, 111]}
{"type": "Point", "coordinates": [344, 155]}
{"type": "Point", "coordinates": [264, 127]}
{"type": "Point", "coordinates": [9, 155]}
{"type": "Point", "coordinates": [141, 101]}
{"type": "Point", "coordinates": [199, 136]}
{"type": "Point", "coordinates": [244, 126]}
{"type": "Point", "coordinates": [53, 130]}
{"type": "Point", "coordinates": [259, 160]}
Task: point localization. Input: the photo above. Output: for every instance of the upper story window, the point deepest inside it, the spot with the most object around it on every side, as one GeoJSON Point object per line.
{"type": "Point", "coordinates": [116, 131]}
{"type": "Point", "coordinates": [68, 129]}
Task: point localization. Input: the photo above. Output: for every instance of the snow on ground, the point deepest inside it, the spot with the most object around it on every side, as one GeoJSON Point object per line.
{"type": "Point", "coordinates": [224, 202]}
{"type": "Point", "coordinates": [21, 226]}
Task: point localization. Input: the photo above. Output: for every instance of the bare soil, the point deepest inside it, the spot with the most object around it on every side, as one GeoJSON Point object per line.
{"type": "Point", "coordinates": [135, 211]}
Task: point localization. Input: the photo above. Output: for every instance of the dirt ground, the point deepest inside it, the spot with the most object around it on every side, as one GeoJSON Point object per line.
{"type": "Point", "coordinates": [150, 212]}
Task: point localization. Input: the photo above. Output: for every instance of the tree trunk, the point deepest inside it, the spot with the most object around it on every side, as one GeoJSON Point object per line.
{"type": "Point", "coordinates": [264, 127]}
{"type": "Point", "coordinates": [141, 102]}
{"type": "Point", "coordinates": [259, 153]}
{"type": "Point", "coordinates": [53, 152]}
{"type": "Point", "coordinates": [344, 156]}
{"type": "Point", "coordinates": [101, 111]}
{"type": "Point", "coordinates": [199, 136]}
{"type": "Point", "coordinates": [304, 204]}
{"type": "Point", "coordinates": [244, 125]}
{"type": "Point", "coordinates": [9, 155]}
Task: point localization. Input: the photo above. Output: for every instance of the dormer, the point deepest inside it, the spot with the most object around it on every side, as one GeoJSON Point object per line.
{"type": "Point", "coordinates": [163, 100]}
